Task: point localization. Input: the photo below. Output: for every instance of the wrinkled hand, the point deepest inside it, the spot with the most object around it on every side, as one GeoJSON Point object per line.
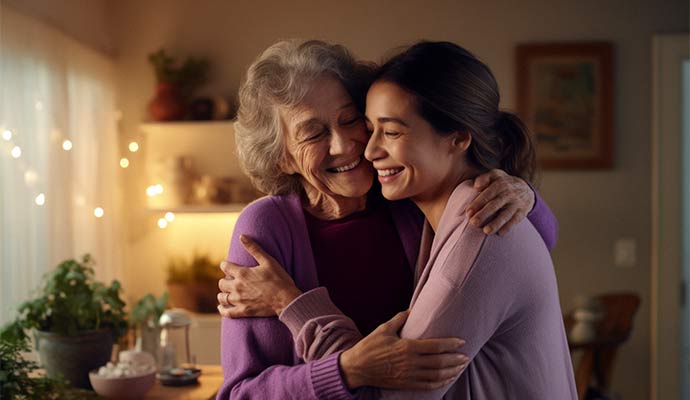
{"type": "Point", "coordinates": [502, 203]}
{"type": "Point", "coordinates": [260, 291]}
{"type": "Point", "coordinates": [384, 360]}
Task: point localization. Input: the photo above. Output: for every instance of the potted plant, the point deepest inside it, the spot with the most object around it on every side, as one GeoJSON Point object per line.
{"type": "Point", "coordinates": [193, 283]}
{"type": "Point", "coordinates": [144, 319]}
{"type": "Point", "coordinates": [21, 379]}
{"type": "Point", "coordinates": [174, 84]}
{"type": "Point", "coordinates": [75, 320]}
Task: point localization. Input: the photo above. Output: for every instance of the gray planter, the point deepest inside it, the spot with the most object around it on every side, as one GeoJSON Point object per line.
{"type": "Point", "coordinates": [74, 356]}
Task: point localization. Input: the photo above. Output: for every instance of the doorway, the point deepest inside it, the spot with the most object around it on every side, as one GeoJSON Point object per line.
{"type": "Point", "coordinates": [670, 218]}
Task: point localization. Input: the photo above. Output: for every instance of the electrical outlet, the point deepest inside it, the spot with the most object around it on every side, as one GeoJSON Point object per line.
{"type": "Point", "coordinates": [625, 252]}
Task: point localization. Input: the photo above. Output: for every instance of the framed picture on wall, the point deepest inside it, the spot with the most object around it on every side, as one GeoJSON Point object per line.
{"type": "Point", "coordinates": [565, 96]}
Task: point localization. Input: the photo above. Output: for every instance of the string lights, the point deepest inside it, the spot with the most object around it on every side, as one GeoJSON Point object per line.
{"type": "Point", "coordinates": [31, 176]}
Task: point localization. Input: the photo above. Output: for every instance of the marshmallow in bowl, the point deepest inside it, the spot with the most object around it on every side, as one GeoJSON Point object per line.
{"type": "Point", "coordinates": [132, 363]}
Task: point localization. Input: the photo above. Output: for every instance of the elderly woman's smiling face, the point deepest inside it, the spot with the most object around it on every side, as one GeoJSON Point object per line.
{"type": "Point", "coordinates": [325, 141]}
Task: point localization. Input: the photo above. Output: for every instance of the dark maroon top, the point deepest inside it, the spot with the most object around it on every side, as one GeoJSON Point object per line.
{"type": "Point", "coordinates": [382, 280]}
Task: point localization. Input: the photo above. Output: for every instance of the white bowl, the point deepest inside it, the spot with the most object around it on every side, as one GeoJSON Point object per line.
{"type": "Point", "coordinates": [128, 387]}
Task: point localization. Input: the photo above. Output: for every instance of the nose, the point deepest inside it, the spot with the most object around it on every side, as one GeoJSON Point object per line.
{"type": "Point", "coordinates": [341, 143]}
{"type": "Point", "coordinates": [374, 150]}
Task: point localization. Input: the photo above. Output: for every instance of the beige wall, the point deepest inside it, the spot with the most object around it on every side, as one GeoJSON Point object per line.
{"type": "Point", "coordinates": [85, 20]}
{"type": "Point", "coordinates": [593, 208]}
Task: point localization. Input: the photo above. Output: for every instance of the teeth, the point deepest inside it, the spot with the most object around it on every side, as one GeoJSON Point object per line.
{"type": "Point", "coordinates": [348, 166]}
{"type": "Point", "coordinates": [389, 172]}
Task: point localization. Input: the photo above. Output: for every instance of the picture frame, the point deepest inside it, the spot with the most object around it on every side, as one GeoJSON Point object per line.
{"type": "Point", "coordinates": [565, 97]}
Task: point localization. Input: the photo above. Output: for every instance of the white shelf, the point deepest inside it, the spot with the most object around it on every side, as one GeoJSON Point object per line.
{"type": "Point", "coordinates": [210, 144]}
{"type": "Point", "coordinates": [194, 127]}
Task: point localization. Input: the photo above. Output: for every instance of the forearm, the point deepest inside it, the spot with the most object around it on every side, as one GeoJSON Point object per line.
{"type": "Point", "coordinates": [544, 221]}
{"type": "Point", "coordinates": [318, 327]}
{"type": "Point", "coordinates": [257, 363]}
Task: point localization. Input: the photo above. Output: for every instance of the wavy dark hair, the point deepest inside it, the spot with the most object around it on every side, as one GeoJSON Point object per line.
{"type": "Point", "coordinates": [455, 91]}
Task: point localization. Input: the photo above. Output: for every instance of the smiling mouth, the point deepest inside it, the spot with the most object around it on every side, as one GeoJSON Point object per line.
{"type": "Point", "coordinates": [389, 172]}
{"type": "Point", "coordinates": [347, 167]}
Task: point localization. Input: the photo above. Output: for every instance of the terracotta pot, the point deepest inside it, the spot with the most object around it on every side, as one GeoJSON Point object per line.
{"type": "Point", "coordinates": [183, 295]}
{"type": "Point", "coordinates": [74, 356]}
{"type": "Point", "coordinates": [167, 104]}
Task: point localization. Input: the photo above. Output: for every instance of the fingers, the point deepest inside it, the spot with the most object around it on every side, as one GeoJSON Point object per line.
{"type": "Point", "coordinates": [255, 250]}
{"type": "Point", "coordinates": [489, 211]}
{"type": "Point", "coordinates": [445, 360]}
{"type": "Point", "coordinates": [436, 375]}
{"type": "Point", "coordinates": [394, 324]}
{"type": "Point", "coordinates": [435, 346]}
{"type": "Point", "coordinates": [484, 197]}
{"type": "Point", "coordinates": [502, 217]}
{"type": "Point", "coordinates": [485, 179]}
{"type": "Point", "coordinates": [510, 224]}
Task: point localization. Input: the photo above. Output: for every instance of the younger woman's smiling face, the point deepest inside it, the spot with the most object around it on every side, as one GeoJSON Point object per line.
{"type": "Point", "coordinates": [412, 159]}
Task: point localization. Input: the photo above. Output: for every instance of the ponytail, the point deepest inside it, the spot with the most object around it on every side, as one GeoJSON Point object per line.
{"type": "Point", "coordinates": [517, 157]}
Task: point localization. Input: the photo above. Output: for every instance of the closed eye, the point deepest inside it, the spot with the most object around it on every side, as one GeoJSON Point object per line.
{"type": "Point", "coordinates": [392, 134]}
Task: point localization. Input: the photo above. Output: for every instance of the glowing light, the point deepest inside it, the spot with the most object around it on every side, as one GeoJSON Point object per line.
{"type": "Point", "coordinates": [133, 147]}
{"type": "Point", "coordinates": [40, 199]}
{"type": "Point", "coordinates": [7, 135]}
{"type": "Point", "coordinates": [162, 223]}
{"type": "Point", "coordinates": [67, 145]}
{"type": "Point", "coordinates": [39, 106]}
{"type": "Point", "coordinates": [16, 152]}
{"type": "Point", "coordinates": [124, 162]}
{"type": "Point", "coordinates": [98, 212]}
{"type": "Point", "coordinates": [30, 177]}
{"type": "Point", "coordinates": [154, 190]}
{"type": "Point", "coordinates": [170, 216]}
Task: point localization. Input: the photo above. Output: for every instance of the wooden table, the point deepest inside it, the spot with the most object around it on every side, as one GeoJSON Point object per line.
{"type": "Point", "coordinates": [210, 381]}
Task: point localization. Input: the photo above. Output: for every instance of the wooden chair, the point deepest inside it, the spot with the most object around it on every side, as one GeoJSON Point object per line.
{"type": "Point", "coordinates": [613, 330]}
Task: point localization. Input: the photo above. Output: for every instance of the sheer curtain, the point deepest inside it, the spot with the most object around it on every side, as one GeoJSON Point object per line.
{"type": "Point", "coordinates": [58, 157]}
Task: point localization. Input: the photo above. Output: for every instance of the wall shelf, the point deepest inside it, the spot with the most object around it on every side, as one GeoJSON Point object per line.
{"type": "Point", "coordinates": [211, 146]}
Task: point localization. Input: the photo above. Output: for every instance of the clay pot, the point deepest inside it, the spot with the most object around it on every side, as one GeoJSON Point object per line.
{"type": "Point", "coordinates": [74, 356]}
{"type": "Point", "coordinates": [167, 104]}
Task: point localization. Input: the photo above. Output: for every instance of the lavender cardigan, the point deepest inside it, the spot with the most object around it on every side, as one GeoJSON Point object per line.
{"type": "Point", "coordinates": [258, 354]}
{"type": "Point", "coordinates": [498, 293]}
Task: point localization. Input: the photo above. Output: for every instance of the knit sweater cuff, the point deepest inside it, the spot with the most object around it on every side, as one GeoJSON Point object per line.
{"type": "Point", "coordinates": [326, 379]}
{"type": "Point", "coordinates": [312, 304]}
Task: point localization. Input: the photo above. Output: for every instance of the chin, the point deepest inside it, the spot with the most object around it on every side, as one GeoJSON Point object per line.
{"type": "Point", "coordinates": [393, 195]}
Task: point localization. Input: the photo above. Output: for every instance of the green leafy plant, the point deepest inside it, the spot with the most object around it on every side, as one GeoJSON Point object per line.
{"type": "Point", "coordinates": [22, 379]}
{"type": "Point", "coordinates": [70, 301]}
{"type": "Point", "coordinates": [200, 268]}
{"type": "Point", "coordinates": [148, 310]}
{"type": "Point", "coordinates": [191, 74]}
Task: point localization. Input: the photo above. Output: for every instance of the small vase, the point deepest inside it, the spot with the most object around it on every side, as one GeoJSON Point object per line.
{"type": "Point", "coordinates": [167, 104]}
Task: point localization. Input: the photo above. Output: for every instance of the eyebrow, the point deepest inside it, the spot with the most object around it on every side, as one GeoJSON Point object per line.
{"type": "Point", "coordinates": [383, 120]}
{"type": "Point", "coordinates": [307, 122]}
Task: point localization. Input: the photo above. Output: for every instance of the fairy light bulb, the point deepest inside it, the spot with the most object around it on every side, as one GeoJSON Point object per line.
{"type": "Point", "coordinates": [40, 199]}
{"type": "Point", "coordinates": [98, 212]}
{"type": "Point", "coordinates": [124, 162]}
{"type": "Point", "coordinates": [133, 147]}
{"type": "Point", "coordinates": [7, 135]}
{"type": "Point", "coordinates": [16, 152]}
{"type": "Point", "coordinates": [162, 223]}
{"type": "Point", "coordinates": [169, 216]}
{"type": "Point", "coordinates": [67, 145]}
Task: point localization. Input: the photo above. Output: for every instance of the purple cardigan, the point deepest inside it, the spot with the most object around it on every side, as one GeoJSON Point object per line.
{"type": "Point", "coordinates": [498, 293]}
{"type": "Point", "coordinates": [258, 354]}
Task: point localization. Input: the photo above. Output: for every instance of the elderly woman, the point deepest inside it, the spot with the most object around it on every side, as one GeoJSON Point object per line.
{"type": "Point", "coordinates": [301, 138]}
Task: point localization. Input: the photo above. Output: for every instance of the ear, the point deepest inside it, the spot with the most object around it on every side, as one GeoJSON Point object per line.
{"type": "Point", "coordinates": [461, 141]}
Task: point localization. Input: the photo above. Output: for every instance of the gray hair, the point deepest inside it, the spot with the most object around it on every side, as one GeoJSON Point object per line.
{"type": "Point", "coordinates": [281, 77]}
